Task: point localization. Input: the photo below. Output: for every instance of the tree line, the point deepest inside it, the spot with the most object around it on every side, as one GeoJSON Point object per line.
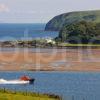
{"type": "Point", "coordinates": [81, 32]}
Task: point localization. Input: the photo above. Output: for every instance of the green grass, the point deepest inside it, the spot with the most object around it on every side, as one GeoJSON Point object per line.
{"type": "Point", "coordinates": [6, 96]}
{"type": "Point", "coordinates": [11, 95]}
{"type": "Point", "coordinates": [72, 17]}
{"type": "Point", "coordinates": [79, 45]}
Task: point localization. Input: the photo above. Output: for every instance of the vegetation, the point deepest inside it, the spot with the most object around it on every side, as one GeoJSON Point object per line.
{"type": "Point", "coordinates": [59, 21]}
{"type": "Point", "coordinates": [43, 44]}
{"type": "Point", "coordinates": [29, 43]}
{"type": "Point", "coordinates": [78, 45]}
{"type": "Point", "coordinates": [12, 95]}
{"type": "Point", "coordinates": [80, 33]}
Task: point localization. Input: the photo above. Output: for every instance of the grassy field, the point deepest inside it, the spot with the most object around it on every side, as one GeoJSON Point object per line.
{"type": "Point", "coordinates": [79, 45]}
{"type": "Point", "coordinates": [11, 95]}
{"type": "Point", "coordinates": [5, 96]}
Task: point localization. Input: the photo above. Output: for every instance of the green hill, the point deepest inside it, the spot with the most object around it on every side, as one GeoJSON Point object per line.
{"type": "Point", "coordinates": [57, 22]}
{"type": "Point", "coordinates": [81, 32]}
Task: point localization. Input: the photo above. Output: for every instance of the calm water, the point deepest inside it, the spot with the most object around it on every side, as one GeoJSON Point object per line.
{"type": "Point", "coordinates": [66, 84]}
{"type": "Point", "coordinates": [24, 31]}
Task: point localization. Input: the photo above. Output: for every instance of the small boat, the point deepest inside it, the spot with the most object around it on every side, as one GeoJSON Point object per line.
{"type": "Point", "coordinates": [26, 78]}
{"type": "Point", "coordinates": [22, 80]}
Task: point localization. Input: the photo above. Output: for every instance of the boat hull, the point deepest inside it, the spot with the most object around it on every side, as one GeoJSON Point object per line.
{"type": "Point", "coordinates": [31, 81]}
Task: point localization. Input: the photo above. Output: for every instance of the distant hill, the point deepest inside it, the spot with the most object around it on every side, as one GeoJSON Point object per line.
{"type": "Point", "coordinates": [59, 21]}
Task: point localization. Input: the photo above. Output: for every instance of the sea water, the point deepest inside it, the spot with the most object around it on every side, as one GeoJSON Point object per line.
{"type": "Point", "coordinates": [24, 31]}
{"type": "Point", "coordinates": [68, 85]}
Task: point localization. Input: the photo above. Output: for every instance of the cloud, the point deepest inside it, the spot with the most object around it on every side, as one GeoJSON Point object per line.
{"type": "Point", "coordinates": [4, 8]}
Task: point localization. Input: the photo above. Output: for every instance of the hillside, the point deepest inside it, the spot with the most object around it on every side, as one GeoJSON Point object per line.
{"type": "Point", "coordinates": [57, 22]}
{"type": "Point", "coordinates": [80, 32]}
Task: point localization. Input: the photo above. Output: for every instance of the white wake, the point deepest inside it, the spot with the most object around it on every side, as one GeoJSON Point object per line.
{"type": "Point", "coordinates": [3, 81]}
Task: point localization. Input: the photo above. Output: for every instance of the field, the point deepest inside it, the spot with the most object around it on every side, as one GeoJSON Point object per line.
{"type": "Point", "coordinates": [9, 95]}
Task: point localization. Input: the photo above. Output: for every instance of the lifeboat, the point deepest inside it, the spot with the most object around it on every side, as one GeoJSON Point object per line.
{"type": "Point", "coordinates": [26, 78]}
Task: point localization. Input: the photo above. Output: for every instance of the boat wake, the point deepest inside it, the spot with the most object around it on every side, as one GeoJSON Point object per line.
{"type": "Point", "coordinates": [3, 81]}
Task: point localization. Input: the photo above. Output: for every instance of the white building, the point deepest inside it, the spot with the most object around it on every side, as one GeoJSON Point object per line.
{"type": "Point", "coordinates": [50, 40]}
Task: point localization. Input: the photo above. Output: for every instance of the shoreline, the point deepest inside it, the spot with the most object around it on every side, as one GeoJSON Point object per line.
{"type": "Point", "coordinates": [50, 71]}
{"type": "Point", "coordinates": [43, 43]}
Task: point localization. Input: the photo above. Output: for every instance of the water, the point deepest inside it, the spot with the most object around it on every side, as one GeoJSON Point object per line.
{"type": "Point", "coordinates": [24, 31]}
{"type": "Point", "coordinates": [66, 84]}
{"type": "Point", "coordinates": [36, 50]}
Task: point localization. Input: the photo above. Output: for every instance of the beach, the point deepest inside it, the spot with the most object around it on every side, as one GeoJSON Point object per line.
{"type": "Point", "coordinates": [52, 60]}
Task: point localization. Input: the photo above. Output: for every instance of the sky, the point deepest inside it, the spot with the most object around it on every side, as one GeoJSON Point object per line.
{"type": "Point", "coordinates": [41, 11]}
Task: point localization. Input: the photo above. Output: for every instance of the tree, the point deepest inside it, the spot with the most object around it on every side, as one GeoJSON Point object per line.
{"type": "Point", "coordinates": [83, 31]}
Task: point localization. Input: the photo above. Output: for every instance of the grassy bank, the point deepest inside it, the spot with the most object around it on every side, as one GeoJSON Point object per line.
{"type": "Point", "coordinates": [12, 95]}
{"type": "Point", "coordinates": [78, 45]}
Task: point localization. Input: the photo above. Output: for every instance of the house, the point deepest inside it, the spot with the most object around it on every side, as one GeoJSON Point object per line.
{"type": "Point", "coordinates": [50, 40]}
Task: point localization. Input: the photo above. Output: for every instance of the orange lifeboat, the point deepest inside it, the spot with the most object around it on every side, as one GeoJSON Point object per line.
{"type": "Point", "coordinates": [26, 78]}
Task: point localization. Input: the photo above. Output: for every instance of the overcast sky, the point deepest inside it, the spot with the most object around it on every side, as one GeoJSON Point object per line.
{"type": "Point", "coordinates": [41, 11]}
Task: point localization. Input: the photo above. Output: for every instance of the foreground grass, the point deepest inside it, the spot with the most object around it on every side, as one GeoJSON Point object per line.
{"type": "Point", "coordinates": [11, 95]}
{"type": "Point", "coordinates": [5, 96]}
